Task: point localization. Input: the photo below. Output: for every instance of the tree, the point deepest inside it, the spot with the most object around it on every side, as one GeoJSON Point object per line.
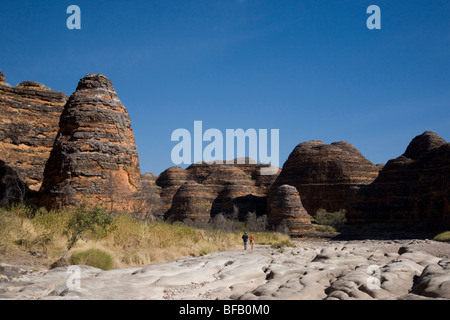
{"type": "Point", "coordinates": [255, 223]}
{"type": "Point", "coordinates": [96, 220]}
{"type": "Point", "coordinates": [12, 190]}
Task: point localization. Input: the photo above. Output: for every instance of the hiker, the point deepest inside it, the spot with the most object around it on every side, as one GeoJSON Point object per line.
{"type": "Point", "coordinates": [245, 239]}
{"type": "Point", "coordinates": [252, 241]}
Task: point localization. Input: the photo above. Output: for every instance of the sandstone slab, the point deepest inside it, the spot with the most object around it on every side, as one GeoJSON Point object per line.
{"type": "Point", "coordinates": [367, 270]}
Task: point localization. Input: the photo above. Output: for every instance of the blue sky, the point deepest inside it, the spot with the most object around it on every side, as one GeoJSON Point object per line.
{"type": "Point", "coordinates": [311, 69]}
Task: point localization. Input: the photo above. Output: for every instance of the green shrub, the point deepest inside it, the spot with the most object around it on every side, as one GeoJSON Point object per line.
{"type": "Point", "coordinates": [283, 243]}
{"type": "Point", "coordinates": [444, 236]}
{"type": "Point", "coordinates": [93, 257]}
{"type": "Point", "coordinates": [96, 220]}
{"type": "Point", "coordinates": [336, 220]}
{"type": "Point", "coordinates": [204, 252]}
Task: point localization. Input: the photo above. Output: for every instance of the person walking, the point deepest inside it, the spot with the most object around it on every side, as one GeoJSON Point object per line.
{"type": "Point", "coordinates": [252, 241]}
{"type": "Point", "coordinates": [245, 239]}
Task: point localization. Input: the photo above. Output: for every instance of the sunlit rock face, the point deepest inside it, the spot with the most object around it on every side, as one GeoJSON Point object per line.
{"type": "Point", "coordinates": [94, 158]}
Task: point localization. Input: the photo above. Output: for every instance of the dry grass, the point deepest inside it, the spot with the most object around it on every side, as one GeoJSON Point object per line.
{"type": "Point", "coordinates": [130, 242]}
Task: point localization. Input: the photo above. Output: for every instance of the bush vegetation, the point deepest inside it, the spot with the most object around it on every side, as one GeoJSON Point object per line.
{"type": "Point", "coordinates": [330, 221]}
{"type": "Point", "coordinates": [93, 257]}
{"type": "Point", "coordinates": [444, 236]}
{"type": "Point", "coordinates": [128, 241]}
{"type": "Point", "coordinates": [95, 220]}
{"type": "Point", "coordinates": [283, 243]}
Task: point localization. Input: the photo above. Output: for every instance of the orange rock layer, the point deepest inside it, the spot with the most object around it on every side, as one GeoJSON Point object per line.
{"type": "Point", "coordinates": [29, 118]}
{"type": "Point", "coordinates": [94, 159]}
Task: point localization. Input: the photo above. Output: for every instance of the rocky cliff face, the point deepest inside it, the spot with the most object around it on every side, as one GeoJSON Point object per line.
{"type": "Point", "coordinates": [204, 190]}
{"type": "Point", "coordinates": [324, 174]}
{"type": "Point", "coordinates": [29, 118]}
{"type": "Point", "coordinates": [230, 183]}
{"type": "Point", "coordinates": [152, 194]}
{"type": "Point", "coordinates": [191, 202]}
{"type": "Point", "coordinates": [169, 182]}
{"type": "Point", "coordinates": [94, 158]}
{"type": "Point", "coordinates": [414, 187]}
{"type": "Point", "coordinates": [286, 210]}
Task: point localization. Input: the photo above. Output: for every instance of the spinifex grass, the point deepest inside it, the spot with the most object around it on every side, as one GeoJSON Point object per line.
{"type": "Point", "coordinates": [129, 242]}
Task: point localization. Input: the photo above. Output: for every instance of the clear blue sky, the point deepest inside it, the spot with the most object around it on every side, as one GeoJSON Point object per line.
{"type": "Point", "coordinates": [311, 69]}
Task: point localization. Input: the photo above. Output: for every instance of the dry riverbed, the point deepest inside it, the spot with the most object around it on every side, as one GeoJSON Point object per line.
{"type": "Point", "coordinates": [369, 269]}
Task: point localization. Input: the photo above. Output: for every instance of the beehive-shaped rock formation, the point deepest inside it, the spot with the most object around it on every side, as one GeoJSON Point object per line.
{"type": "Point", "coordinates": [414, 187]}
{"type": "Point", "coordinates": [230, 189]}
{"type": "Point", "coordinates": [191, 203]}
{"type": "Point", "coordinates": [324, 174]}
{"type": "Point", "coordinates": [94, 157]}
{"type": "Point", "coordinates": [286, 209]}
{"type": "Point", "coordinates": [29, 122]}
